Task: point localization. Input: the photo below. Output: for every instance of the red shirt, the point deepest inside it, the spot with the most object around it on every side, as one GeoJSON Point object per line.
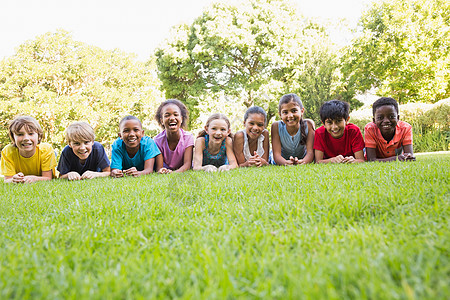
{"type": "Point", "coordinates": [384, 149]}
{"type": "Point", "coordinates": [349, 143]}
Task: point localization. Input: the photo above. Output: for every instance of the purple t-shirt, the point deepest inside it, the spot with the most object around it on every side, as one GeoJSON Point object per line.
{"type": "Point", "coordinates": [173, 160]}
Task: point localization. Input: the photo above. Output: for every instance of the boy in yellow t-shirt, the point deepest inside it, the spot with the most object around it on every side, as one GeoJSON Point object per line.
{"type": "Point", "coordinates": [27, 160]}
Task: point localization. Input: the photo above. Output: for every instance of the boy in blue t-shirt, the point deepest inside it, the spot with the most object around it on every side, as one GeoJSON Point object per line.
{"type": "Point", "coordinates": [82, 158]}
{"type": "Point", "coordinates": [133, 153]}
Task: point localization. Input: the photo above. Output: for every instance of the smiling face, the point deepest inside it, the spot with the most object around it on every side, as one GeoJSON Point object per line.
{"type": "Point", "coordinates": [386, 119]}
{"type": "Point", "coordinates": [171, 117]}
{"type": "Point", "coordinates": [217, 130]}
{"type": "Point", "coordinates": [335, 127]}
{"type": "Point", "coordinates": [291, 114]}
{"type": "Point", "coordinates": [81, 149]}
{"type": "Point", "coordinates": [131, 133]}
{"type": "Point", "coordinates": [26, 141]}
{"type": "Point", "coordinates": [254, 125]}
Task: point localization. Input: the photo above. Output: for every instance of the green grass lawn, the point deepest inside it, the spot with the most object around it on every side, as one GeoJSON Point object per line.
{"type": "Point", "coordinates": [374, 230]}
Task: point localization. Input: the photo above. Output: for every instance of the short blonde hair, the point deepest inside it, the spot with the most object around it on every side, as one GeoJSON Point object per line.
{"type": "Point", "coordinates": [79, 132]}
{"type": "Point", "coordinates": [29, 123]}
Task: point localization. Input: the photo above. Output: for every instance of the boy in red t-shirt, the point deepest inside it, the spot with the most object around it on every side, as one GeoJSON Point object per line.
{"type": "Point", "coordinates": [387, 138]}
{"type": "Point", "coordinates": [337, 141]}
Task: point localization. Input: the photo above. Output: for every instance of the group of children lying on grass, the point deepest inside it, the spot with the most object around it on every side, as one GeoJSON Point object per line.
{"type": "Point", "coordinates": [295, 141]}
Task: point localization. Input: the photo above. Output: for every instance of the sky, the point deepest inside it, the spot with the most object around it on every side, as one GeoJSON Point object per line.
{"type": "Point", "coordinates": [136, 26]}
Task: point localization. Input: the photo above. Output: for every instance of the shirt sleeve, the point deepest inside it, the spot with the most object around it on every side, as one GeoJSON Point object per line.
{"type": "Point", "coordinates": [357, 141]}
{"type": "Point", "coordinates": [7, 164]}
{"type": "Point", "coordinates": [116, 156]}
{"type": "Point", "coordinates": [48, 161]}
{"type": "Point", "coordinates": [408, 139]}
{"type": "Point", "coordinates": [369, 136]}
{"type": "Point", "coordinates": [189, 140]}
{"type": "Point", "coordinates": [151, 149]}
{"type": "Point", "coordinates": [318, 141]}
{"type": "Point", "coordinates": [64, 163]}
{"type": "Point", "coordinates": [102, 158]}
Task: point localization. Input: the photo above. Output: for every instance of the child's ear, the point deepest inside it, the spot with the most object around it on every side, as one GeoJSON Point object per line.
{"type": "Point", "coordinates": [302, 110]}
{"type": "Point", "coordinates": [119, 134]}
{"type": "Point", "coordinates": [206, 129]}
{"type": "Point", "coordinates": [398, 117]}
{"type": "Point", "coordinates": [346, 121]}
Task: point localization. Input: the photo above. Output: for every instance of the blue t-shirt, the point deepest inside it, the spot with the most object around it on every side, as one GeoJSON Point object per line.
{"type": "Point", "coordinates": [122, 161]}
{"type": "Point", "coordinates": [96, 161]}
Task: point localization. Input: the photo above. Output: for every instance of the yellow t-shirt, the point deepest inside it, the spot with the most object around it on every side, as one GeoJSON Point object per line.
{"type": "Point", "coordinates": [43, 160]}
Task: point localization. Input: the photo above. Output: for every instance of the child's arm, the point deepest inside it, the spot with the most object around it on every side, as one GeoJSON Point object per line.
{"type": "Point", "coordinates": [359, 158]}
{"type": "Point", "coordinates": [276, 147]}
{"type": "Point", "coordinates": [148, 168]}
{"type": "Point", "coordinates": [309, 157]}
{"type": "Point", "coordinates": [232, 163]}
{"type": "Point", "coordinates": [116, 173]}
{"type": "Point", "coordinates": [198, 153]}
{"type": "Point", "coordinates": [91, 174]}
{"type": "Point", "coordinates": [408, 153]}
{"type": "Point", "coordinates": [71, 176]}
{"type": "Point", "coordinates": [238, 148]}
{"type": "Point", "coordinates": [159, 164]}
{"type": "Point", "coordinates": [46, 175]}
{"type": "Point", "coordinates": [320, 160]}
{"type": "Point", "coordinates": [14, 179]}
{"type": "Point", "coordinates": [187, 159]}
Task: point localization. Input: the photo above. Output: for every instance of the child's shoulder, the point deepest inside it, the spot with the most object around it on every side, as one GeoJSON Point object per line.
{"type": "Point", "coordinates": [239, 135]}
{"type": "Point", "coordinates": [45, 147]}
{"type": "Point", "coordinates": [320, 130]}
{"type": "Point", "coordinates": [370, 126]}
{"type": "Point", "coordinates": [9, 150]}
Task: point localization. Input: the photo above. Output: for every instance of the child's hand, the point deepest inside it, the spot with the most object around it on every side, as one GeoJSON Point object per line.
{"type": "Point", "coordinates": [30, 179]}
{"type": "Point", "coordinates": [73, 176]}
{"type": "Point", "coordinates": [132, 172]}
{"type": "Point", "coordinates": [301, 162]}
{"type": "Point", "coordinates": [348, 160]}
{"type": "Point", "coordinates": [292, 161]}
{"type": "Point", "coordinates": [223, 168]}
{"type": "Point", "coordinates": [89, 175]}
{"type": "Point", "coordinates": [164, 171]}
{"type": "Point", "coordinates": [116, 173]}
{"type": "Point", "coordinates": [406, 157]}
{"type": "Point", "coordinates": [18, 178]}
{"type": "Point", "coordinates": [337, 159]}
{"type": "Point", "coordinates": [209, 168]}
{"type": "Point", "coordinates": [254, 160]}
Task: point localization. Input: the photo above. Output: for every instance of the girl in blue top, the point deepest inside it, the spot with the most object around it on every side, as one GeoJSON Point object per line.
{"type": "Point", "coordinates": [292, 137]}
{"type": "Point", "coordinates": [133, 153]}
{"type": "Point", "coordinates": [214, 147]}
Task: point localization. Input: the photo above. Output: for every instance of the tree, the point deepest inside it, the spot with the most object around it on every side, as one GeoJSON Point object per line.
{"type": "Point", "coordinates": [254, 51]}
{"type": "Point", "coordinates": [403, 50]}
{"type": "Point", "coordinates": [58, 80]}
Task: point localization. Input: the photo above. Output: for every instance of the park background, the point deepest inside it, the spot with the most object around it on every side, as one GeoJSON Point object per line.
{"type": "Point", "coordinates": [358, 231]}
{"type": "Point", "coordinates": [65, 62]}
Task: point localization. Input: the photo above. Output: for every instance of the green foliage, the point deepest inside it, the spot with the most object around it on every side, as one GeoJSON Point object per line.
{"type": "Point", "coordinates": [58, 80]}
{"type": "Point", "coordinates": [306, 232]}
{"type": "Point", "coordinates": [253, 51]}
{"type": "Point", "coordinates": [403, 50]}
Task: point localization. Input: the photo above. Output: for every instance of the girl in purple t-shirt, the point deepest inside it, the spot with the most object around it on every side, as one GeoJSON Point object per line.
{"type": "Point", "coordinates": [175, 144]}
